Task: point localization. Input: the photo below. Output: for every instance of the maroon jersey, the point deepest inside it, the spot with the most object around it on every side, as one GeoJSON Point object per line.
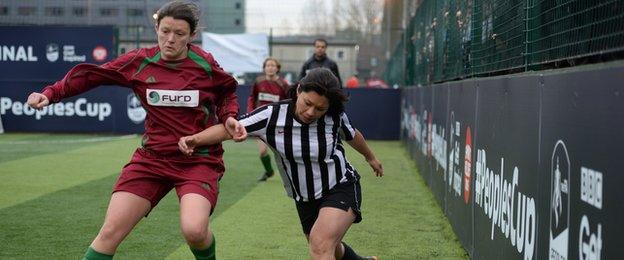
{"type": "Point", "coordinates": [181, 97]}
{"type": "Point", "coordinates": [265, 91]}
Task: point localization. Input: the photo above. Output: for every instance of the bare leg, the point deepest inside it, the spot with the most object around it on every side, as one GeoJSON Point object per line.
{"type": "Point", "coordinates": [327, 232]}
{"type": "Point", "coordinates": [125, 210]}
{"type": "Point", "coordinates": [194, 219]}
{"type": "Point", "coordinates": [262, 148]}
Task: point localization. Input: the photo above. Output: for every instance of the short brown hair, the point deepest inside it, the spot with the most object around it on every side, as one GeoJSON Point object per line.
{"type": "Point", "coordinates": [183, 10]}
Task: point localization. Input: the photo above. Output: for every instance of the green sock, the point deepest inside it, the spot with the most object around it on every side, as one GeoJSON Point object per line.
{"type": "Point", "coordinates": [91, 254]}
{"type": "Point", "coordinates": [266, 161]}
{"type": "Point", "coordinates": [206, 254]}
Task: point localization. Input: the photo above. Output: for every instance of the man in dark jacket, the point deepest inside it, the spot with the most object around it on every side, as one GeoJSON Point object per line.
{"type": "Point", "coordinates": [320, 60]}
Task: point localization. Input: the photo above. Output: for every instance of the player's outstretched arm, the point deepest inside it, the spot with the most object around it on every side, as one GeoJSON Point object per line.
{"type": "Point", "coordinates": [232, 129]}
{"type": "Point", "coordinates": [235, 129]}
{"type": "Point", "coordinates": [359, 144]}
{"type": "Point", "coordinates": [212, 135]}
{"type": "Point", "coordinates": [37, 100]}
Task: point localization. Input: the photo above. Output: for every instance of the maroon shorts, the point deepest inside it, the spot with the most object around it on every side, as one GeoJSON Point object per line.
{"type": "Point", "coordinates": [152, 176]}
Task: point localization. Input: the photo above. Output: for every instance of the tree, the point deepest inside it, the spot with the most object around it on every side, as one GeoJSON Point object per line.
{"type": "Point", "coordinates": [363, 16]}
{"type": "Point", "coordinates": [315, 19]}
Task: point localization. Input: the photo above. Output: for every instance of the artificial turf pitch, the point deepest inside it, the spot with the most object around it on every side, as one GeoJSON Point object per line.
{"type": "Point", "coordinates": [54, 190]}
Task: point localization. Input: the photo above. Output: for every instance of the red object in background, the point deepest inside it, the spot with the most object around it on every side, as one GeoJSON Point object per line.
{"type": "Point", "coordinates": [376, 83]}
{"type": "Point", "coordinates": [353, 82]}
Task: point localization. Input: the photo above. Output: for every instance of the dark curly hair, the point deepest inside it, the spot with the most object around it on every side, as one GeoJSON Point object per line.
{"type": "Point", "coordinates": [323, 82]}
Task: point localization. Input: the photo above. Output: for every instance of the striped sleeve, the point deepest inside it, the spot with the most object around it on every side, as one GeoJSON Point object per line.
{"type": "Point", "coordinates": [256, 121]}
{"type": "Point", "coordinates": [345, 127]}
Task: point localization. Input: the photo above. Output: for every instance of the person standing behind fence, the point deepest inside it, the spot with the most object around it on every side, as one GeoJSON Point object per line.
{"type": "Point", "coordinates": [320, 60]}
{"type": "Point", "coordinates": [183, 90]}
{"type": "Point", "coordinates": [268, 88]}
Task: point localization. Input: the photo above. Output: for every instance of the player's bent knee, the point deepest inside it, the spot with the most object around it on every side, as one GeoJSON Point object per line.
{"type": "Point", "coordinates": [320, 245]}
{"type": "Point", "coordinates": [195, 235]}
{"type": "Point", "coordinates": [111, 234]}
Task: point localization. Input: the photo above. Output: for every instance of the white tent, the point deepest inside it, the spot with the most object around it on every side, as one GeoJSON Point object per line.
{"type": "Point", "coordinates": [237, 53]}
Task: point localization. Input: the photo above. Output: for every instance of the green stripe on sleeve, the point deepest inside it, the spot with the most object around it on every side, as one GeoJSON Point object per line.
{"type": "Point", "coordinates": [200, 61]}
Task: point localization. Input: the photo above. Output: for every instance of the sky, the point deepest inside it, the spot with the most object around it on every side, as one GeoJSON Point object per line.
{"type": "Point", "coordinates": [281, 15]}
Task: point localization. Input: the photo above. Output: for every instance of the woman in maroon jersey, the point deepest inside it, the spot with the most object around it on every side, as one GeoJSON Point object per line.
{"type": "Point", "coordinates": [268, 88]}
{"type": "Point", "coordinates": [183, 90]}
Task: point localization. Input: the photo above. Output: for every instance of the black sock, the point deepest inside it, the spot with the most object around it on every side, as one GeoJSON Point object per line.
{"type": "Point", "coordinates": [349, 254]}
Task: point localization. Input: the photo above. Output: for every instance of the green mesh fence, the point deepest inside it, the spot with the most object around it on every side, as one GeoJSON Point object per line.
{"type": "Point", "coordinates": [451, 39]}
{"type": "Point", "coordinates": [565, 30]}
{"type": "Point", "coordinates": [498, 40]}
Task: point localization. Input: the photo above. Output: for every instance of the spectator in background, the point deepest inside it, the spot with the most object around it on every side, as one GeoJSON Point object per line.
{"type": "Point", "coordinates": [268, 88]}
{"type": "Point", "coordinates": [320, 60]}
{"type": "Point", "coordinates": [353, 82]}
{"type": "Point", "coordinates": [374, 82]}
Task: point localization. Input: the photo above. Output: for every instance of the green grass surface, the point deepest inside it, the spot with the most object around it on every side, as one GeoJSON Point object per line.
{"type": "Point", "coordinates": [53, 196]}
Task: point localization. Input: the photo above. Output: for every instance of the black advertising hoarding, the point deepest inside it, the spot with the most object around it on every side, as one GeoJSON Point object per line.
{"type": "Point", "coordinates": [46, 53]}
{"type": "Point", "coordinates": [375, 112]}
{"type": "Point", "coordinates": [582, 162]}
{"type": "Point", "coordinates": [505, 168]}
{"type": "Point", "coordinates": [425, 123]}
{"type": "Point", "coordinates": [438, 142]}
{"type": "Point", "coordinates": [544, 176]}
{"type": "Point", "coordinates": [460, 190]}
{"type": "Point", "coordinates": [409, 119]}
{"type": "Point", "coordinates": [106, 109]}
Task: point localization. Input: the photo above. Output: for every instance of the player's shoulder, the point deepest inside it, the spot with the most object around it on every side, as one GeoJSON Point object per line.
{"type": "Point", "coordinates": [282, 104]}
{"type": "Point", "coordinates": [260, 78]}
{"type": "Point", "coordinates": [205, 55]}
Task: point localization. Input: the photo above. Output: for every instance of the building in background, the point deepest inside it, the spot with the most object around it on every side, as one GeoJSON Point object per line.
{"type": "Point", "coordinates": [133, 18]}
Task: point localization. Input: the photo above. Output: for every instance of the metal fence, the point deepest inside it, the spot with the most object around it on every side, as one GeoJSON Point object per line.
{"type": "Point", "coordinates": [449, 39]}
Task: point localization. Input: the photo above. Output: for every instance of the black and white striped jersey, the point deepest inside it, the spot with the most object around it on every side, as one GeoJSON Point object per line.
{"type": "Point", "coordinates": [310, 157]}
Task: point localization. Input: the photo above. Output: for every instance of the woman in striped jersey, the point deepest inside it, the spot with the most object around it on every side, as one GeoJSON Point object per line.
{"type": "Point", "coordinates": [306, 132]}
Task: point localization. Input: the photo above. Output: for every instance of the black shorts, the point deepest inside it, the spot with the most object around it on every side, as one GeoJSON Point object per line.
{"type": "Point", "coordinates": [342, 196]}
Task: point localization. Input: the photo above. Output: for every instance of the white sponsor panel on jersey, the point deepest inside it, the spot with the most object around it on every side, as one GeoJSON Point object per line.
{"type": "Point", "coordinates": [172, 98]}
{"type": "Point", "coordinates": [268, 97]}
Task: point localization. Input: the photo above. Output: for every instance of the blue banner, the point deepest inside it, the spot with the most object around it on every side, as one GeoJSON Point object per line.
{"type": "Point", "coordinates": [46, 53]}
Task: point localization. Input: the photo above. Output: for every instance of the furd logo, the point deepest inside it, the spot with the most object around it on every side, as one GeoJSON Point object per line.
{"type": "Point", "coordinates": [135, 111]}
{"type": "Point", "coordinates": [172, 98]}
{"type": "Point", "coordinates": [154, 97]}
{"type": "Point", "coordinates": [559, 202]}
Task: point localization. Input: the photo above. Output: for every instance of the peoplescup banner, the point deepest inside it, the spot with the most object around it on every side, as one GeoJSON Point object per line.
{"type": "Point", "coordinates": [533, 162]}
